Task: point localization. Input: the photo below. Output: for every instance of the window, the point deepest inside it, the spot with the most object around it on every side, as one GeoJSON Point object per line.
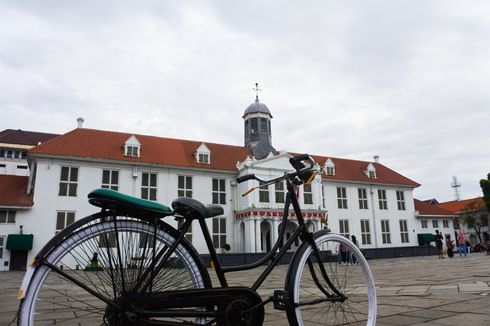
{"type": "Point", "coordinates": [107, 240]}
{"type": "Point", "coordinates": [344, 227]}
{"type": "Point", "coordinates": [2, 153]}
{"type": "Point", "coordinates": [383, 204]}
{"type": "Point", "coordinates": [132, 151]}
{"type": "Point", "coordinates": [219, 232]}
{"type": "Point", "coordinates": [185, 186]}
{"type": "Point", "coordinates": [329, 167]}
{"type": "Point", "coordinates": [341, 197]}
{"type": "Point", "coordinates": [219, 191]}
{"type": "Point", "coordinates": [24, 155]}
{"type": "Point", "coordinates": [385, 231]}
{"type": "Point", "coordinates": [22, 167]}
{"type": "Point", "coordinates": [400, 200]}
{"type": "Point", "coordinates": [279, 192]}
{"type": "Point", "coordinates": [149, 186]}
{"type": "Point", "coordinates": [63, 219]}
{"type": "Point", "coordinates": [404, 231]}
{"type": "Point", "coordinates": [307, 194]}
{"type": "Point", "coordinates": [365, 232]}
{"type": "Point", "coordinates": [203, 158]}
{"type": "Point", "coordinates": [372, 174]}
{"type": "Point", "coordinates": [68, 181]}
{"type": "Point", "coordinates": [2, 241]}
{"type": "Point", "coordinates": [324, 199]}
{"type": "Point", "coordinates": [7, 217]}
{"type": "Point", "coordinates": [10, 154]}
{"type": "Point", "coordinates": [435, 224]}
{"type": "Point", "coordinates": [188, 234]}
{"type": "Point", "coordinates": [264, 194]}
{"type": "Point", "coordinates": [263, 125]}
{"type": "Point", "coordinates": [445, 223]}
{"type": "Point", "coordinates": [110, 179]}
{"type": "Point", "coordinates": [424, 224]}
{"type": "Point", "coordinates": [246, 127]}
{"type": "Point", "coordinates": [253, 125]}
{"type": "Point", "coordinates": [146, 240]}
{"type": "Point", "coordinates": [362, 193]}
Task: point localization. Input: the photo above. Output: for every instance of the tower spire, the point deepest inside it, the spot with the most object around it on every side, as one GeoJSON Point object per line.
{"type": "Point", "coordinates": [257, 90]}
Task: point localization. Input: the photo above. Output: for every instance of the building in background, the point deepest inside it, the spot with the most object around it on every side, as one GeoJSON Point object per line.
{"type": "Point", "coordinates": [363, 198]}
{"type": "Point", "coordinates": [14, 145]}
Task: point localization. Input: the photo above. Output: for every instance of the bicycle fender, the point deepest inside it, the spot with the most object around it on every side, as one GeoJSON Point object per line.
{"type": "Point", "coordinates": [26, 280]}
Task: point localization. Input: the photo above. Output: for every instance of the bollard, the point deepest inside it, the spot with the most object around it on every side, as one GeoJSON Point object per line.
{"type": "Point", "coordinates": [211, 264]}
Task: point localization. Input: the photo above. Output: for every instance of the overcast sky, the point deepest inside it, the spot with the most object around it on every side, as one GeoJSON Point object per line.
{"type": "Point", "coordinates": [406, 80]}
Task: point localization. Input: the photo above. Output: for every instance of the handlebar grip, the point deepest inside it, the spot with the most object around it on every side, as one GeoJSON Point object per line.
{"type": "Point", "coordinates": [245, 178]}
{"type": "Point", "coordinates": [296, 161]}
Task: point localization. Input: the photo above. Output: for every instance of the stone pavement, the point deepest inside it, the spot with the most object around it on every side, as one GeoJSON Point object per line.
{"type": "Point", "coordinates": [411, 291]}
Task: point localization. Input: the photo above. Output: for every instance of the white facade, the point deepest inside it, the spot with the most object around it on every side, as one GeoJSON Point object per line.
{"type": "Point", "coordinates": [13, 159]}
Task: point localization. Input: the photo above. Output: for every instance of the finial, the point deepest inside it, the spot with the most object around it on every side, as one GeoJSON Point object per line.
{"type": "Point", "coordinates": [257, 90]}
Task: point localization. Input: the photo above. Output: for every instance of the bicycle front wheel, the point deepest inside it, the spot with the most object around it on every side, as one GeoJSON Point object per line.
{"type": "Point", "coordinates": [348, 272]}
{"type": "Point", "coordinates": [113, 259]}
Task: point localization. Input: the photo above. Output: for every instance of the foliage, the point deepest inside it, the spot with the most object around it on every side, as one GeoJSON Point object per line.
{"type": "Point", "coordinates": [474, 216]}
{"type": "Point", "coordinates": [485, 186]}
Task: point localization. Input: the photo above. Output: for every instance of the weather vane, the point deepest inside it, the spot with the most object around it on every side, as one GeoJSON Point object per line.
{"type": "Point", "coordinates": [257, 90]}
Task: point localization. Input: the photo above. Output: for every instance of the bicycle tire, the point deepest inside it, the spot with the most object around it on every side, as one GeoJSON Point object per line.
{"type": "Point", "coordinates": [53, 299]}
{"type": "Point", "coordinates": [353, 280]}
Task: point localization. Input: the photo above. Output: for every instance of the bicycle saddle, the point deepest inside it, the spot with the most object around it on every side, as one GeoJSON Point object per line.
{"type": "Point", "coordinates": [188, 207]}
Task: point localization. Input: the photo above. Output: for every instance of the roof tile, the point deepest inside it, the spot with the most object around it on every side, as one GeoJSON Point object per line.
{"type": "Point", "coordinates": [13, 191]}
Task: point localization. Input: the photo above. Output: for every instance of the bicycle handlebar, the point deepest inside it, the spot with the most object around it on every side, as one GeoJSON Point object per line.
{"type": "Point", "coordinates": [303, 172]}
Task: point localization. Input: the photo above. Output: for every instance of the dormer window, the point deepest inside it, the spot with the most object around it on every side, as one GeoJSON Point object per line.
{"type": "Point", "coordinates": [132, 147]}
{"type": "Point", "coordinates": [329, 167]}
{"type": "Point", "coordinates": [203, 158]}
{"type": "Point", "coordinates": [371, 171]}
{"type": "Point", "coordinates": [132, 151]}
{"type": "Point", "coordinates": [203, 154]}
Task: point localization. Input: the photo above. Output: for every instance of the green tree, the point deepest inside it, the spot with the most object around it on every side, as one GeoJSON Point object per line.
{"type": "Point", "coordinates": [485, 187]}
{"type": "Point", "coordinates": [474, 216]}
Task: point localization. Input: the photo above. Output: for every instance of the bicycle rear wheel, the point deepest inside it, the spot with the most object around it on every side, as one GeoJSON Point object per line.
{"type": "Point", "coordinates": [352, 279]}
{"type": "Point", "coordinates": [111, 258]}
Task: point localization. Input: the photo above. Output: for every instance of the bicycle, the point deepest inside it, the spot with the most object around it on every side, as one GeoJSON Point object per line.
{"type": "Point", "coordinates": [125, 266]}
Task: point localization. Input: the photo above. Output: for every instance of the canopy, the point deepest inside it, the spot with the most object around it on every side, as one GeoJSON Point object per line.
{"type": "Point", "coordinates": [426, 238]}
{"type": "Point", "coordinates": [19, 241]}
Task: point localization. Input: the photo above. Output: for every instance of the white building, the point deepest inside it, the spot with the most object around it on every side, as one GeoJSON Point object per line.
{"type": "Point", "coordinates": [362, 198]}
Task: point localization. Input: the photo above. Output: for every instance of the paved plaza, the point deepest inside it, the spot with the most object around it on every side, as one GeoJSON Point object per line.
{"type": "Point", "coordinates": [411, 291]}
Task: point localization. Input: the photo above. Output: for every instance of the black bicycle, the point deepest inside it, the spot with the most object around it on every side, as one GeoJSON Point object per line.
{"type": "Point", "coordinates": [125, 266]}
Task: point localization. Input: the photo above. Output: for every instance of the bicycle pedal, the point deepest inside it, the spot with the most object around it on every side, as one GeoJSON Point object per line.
{"type": "Point", "coordinates": [280, 299]}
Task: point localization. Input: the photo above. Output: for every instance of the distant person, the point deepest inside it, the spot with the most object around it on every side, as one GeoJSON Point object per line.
{"type": "Point", "coordinates": [342, 254]}
{"type": "Point", "coordinates": [439, 239]}
{"type": "Point", "coordinates": [353, 257]}
{"type": "Point", "coordinates": [461, 243]}
{"type": "Point", "coordinates": [449, 246]}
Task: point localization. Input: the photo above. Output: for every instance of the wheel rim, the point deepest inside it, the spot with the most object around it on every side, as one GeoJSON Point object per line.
{"type": "Point", "coordinates": [53, 299]}
{"type": "Point", "coordinates": [353, 280]}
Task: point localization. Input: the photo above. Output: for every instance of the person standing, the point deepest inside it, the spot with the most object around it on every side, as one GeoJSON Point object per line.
{"type": "Point", "coordinates": [439, 239]}
{"type": "Point", "coordinates": [353, 257]}
{"type": "Point", "coordinates": [462, 243]}
{"type": "Point", "coordinates": [449, 245]}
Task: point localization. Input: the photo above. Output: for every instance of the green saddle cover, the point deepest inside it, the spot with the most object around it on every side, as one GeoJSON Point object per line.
{"type": "Point", "coordinates": [107, 198]}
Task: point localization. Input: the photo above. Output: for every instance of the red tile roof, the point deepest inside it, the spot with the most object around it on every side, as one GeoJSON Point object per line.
{"type": "Point", "coordinates": [90, 143]}
{"type": "Point", "coordinates": [13, 191]}
{"type": "Point", "coordinates": [458, 206]}
{"type": "Point", "coordinates": [427, 209]}
{"type": "Point", "coordinates": [22, 137]}
{"type": "Point", "coordinates": [353, 170]}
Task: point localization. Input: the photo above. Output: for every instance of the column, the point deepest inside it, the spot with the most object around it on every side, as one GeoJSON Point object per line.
{"type": "Point", "coordinates": [275, 225]}
{"type": "Point", "coordinates": [257, 235]}
{"type": "Point", "coordinates": [249, 235]}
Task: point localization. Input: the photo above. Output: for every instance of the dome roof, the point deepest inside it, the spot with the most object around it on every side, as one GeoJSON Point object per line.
{"type": "Point", "coordinates": [257, 107]}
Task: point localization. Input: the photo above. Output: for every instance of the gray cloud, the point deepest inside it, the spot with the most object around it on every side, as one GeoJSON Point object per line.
{"type": "Point", "coordinates": [407, 80]}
